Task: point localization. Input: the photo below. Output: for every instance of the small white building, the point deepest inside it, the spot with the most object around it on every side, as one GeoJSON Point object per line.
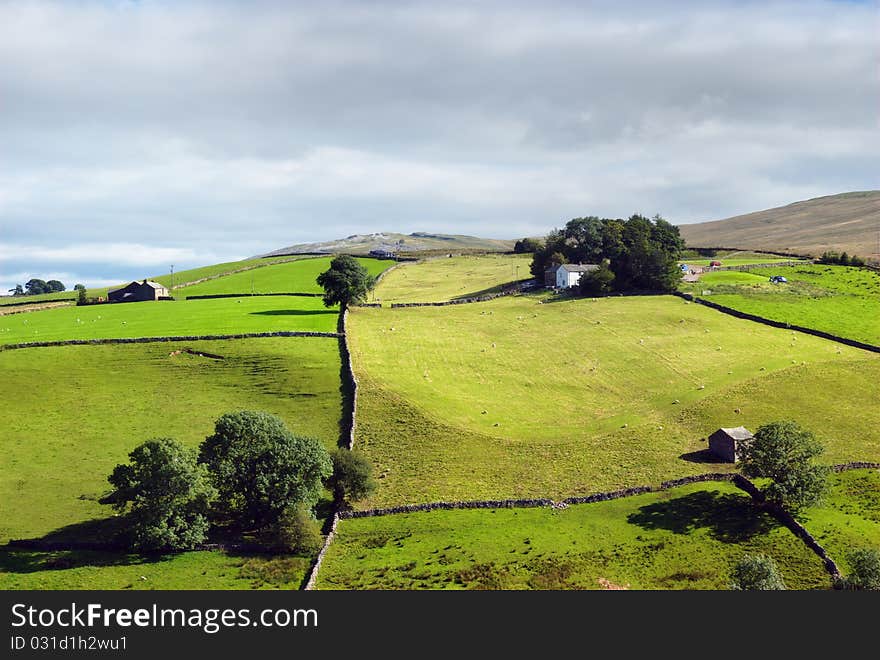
{"type": "Point", "coordinates": [568, 275]}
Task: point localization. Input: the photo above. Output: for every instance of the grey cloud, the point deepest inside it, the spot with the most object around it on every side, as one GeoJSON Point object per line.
{"type": "Point", "coordinates": [249, 126]}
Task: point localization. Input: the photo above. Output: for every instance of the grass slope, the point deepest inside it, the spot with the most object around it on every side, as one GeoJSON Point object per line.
{"type": "Point", "coordinates": [837, 299]}
{"type": "Point", "coordinates": [836, 222]}
{"type": "Point", "coordinates": [518, 397]}
{"type": "Point", "coordinates": [191, 570]}
{"type": "Point", "coordinates": [170, 318]}
{"type": "Point", "coordinates": [441, 279]}
{"type": "Point", "coordinates": [79, 410]}
{"type": "Point", "coordinates": [849, 518]}
{"type": "Point", "coordinates": [295, 277]}
{"type": "Point", "coordinates": [686, 538]}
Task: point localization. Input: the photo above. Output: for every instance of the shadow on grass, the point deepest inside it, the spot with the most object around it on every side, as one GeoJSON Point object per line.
{"type": "Point", "coordinates": [294, 312]}
{"type": "Point", "coordinates": [729, 518]}
{"type": "Point", "coordinates": [492, 289]}
{"type": "Point", "coordinates": [702, 456]}
{"type": "Point", "coordinates": [20, 560]}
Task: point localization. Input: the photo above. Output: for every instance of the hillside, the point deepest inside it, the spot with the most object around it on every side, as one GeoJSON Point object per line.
{"type": "Point", "coordinates": [415, 242]}
{"type": "Point", "coordinates": [848, 221]}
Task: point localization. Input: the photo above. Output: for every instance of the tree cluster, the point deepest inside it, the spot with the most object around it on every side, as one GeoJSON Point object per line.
{"type": "Point", "coordinates": [527, 246]}
{"type": "Point", "coordinates": [637, 254]}
{"type": "Point", "coordinates": [252, 476]}
{"type": "Point", "coordinates": [36, 286]}
{"type": "Point", "coordinates": [840, 259]}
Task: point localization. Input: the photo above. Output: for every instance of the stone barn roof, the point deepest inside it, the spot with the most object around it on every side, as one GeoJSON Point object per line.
{"type": "Point", "coordinates": [737, 433]}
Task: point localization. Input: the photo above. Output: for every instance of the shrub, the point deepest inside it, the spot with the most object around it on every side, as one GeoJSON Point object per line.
{"type": "Point", "coordinates": [756, 573]}
{"type": "Point", "coordinates": [297, 531]}
{"type": "Point", "coordinates": [352, 477]}
{"type": "Point", "coordinates": [865, 572]}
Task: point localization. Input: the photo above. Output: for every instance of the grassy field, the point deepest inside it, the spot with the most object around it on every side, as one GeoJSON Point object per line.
{"type": "Point", "coordinates": [295, 277]}
{"type": "Point", "coordinates": [840, 300]}
{"type": "Point", "coordinates": [192, 570]}
{"type": "Point", "coordinates": [43, 297]}
{"type": "Point", "coordinates": [179, 278]}
{"type": "Point", "coordinates": [447, 278]}
{"type": "Point", "coordinates": [519, 397]}
{"type": "Point", "coordinates": [686, 538]}
{"type": "Point", "coordinates": [737, 261]}
{"type": "Point", "coordinates": [850, 516]}
{"type": "Point", "coordinates": [79, 410]}
{"type": "Point", "coordinates": [170, 318]}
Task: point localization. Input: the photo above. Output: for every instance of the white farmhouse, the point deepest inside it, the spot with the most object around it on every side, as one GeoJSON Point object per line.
{"type": "Point", "coordinates": [568, 275]}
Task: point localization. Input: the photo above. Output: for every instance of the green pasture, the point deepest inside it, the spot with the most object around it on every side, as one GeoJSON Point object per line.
{"type": "Point", "coordinates": [840, 300]}
{"type": "Point", "coordinates": [22, 569]}
{"type": "Point", "coordinates": [446, 278]}
{"type": "Point", "coordinates": [180, 277]}
{"type": "Point", "coordinates": [293, 277]}
{"type": "Point", "coordinates": [43, 297]}
{"type": "Point", "coordinates": [685, 538]}
{"type": "Point", "coordinates": [522, 396]}
{"type": "Point", "coordinates": [77, 411]}
{"type": "Point", "coordinates": [849, 518]}
{"type": "Point", "coordinates": [170, 318]}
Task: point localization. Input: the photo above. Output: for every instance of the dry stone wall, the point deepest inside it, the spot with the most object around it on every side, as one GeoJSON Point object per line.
{"type": "Point", "coordinates": [150, 340]}
{"type": "Point", "coordinates": [778, 324]}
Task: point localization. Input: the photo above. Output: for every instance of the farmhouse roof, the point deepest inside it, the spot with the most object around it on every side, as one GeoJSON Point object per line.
{"type": "Point", "coordinates": [149, 283]}
{"type": "Point", "coordinates": [737, 433]}
{"type": "Point", "coordinates": [579, 268]}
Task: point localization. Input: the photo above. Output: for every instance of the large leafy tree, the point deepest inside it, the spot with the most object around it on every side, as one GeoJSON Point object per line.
{"type": "Point", "coordinates": [53, 286]}
{"type": "Point", "coordinates": [783, 452]}
{"type": "Point", "coordinates": [261, 469]}
{"type": "Point", "coordinates": [166, 494]}
{"type": "Point", "coordinates": [35, 286]}
{"type": "Point", "coordinates": [346, 282]}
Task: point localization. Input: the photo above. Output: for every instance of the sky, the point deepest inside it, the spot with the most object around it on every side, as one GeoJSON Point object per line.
{"type": "Point", "coordinates": [137, 135]}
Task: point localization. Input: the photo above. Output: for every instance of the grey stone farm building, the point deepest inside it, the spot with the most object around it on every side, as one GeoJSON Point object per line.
{"type": "Point", "coordinates": [725, 443]}
{"type": "Point", "coordinates": [138, 292]}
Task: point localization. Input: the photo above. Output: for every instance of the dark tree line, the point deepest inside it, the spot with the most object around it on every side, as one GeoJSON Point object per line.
{"type": "Point", "coordinates": [840, 259]}
{"type": "Point", "coordinates": [36, 286]}
{"type": "Point", "coordinates": [636, 254]}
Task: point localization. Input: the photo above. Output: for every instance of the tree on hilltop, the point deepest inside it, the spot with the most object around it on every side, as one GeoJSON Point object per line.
{"type": "Point", "coordinates": [346, 282]}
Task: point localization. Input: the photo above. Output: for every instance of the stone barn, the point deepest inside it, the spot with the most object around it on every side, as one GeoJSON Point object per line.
{"type": "Point", "coordinates": [724, 443]}
{"type": "Point", "coordinates": [138, 292]}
